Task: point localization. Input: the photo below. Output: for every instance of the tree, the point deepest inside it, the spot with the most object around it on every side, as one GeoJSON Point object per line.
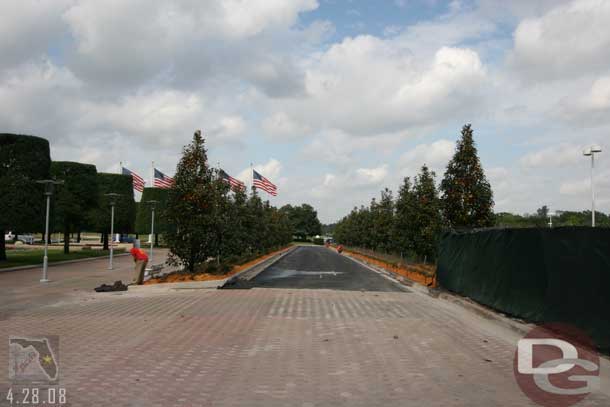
{"type": "Point", "coordinates": [124, 210]}
{"type": "Point", "coordinates": [304, 220]}
{"type": "Point", "coordinates": [382, 215]}
{"type": "Point", "coordinates": [466, 194]}
{"type": "Point", "coordinates": [75, 198]}
{"type": "Point", "coordinates": [427, 216]}
{"type": "Point", "coordinates": [23, 161]}
{"type": "Point", "coordinates": [190, 208]}
{"type": "Point", "coordinates": [144, 212]}
{"type": "Point", "coordinates": [404, 220]}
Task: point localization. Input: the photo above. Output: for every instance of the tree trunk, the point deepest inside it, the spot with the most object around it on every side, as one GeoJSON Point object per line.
{"type": "Point", "coordinates": [105, 240]}
{"type": "Point", "coordinates": [66, 242]}
{"type": "Point", "coordinates": [137, 236]}
{"type": "Point", "coordinates": [156, 239]}
{"type": "Point", "coordinates": [2, 247]}
{"type": "Point", "coordinates": [101, 238]}
{"type": "Point", "coordinates": [78, 237]}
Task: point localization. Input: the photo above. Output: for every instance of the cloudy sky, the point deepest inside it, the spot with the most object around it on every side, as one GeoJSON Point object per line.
{"type": "Point", "coordinates": [331, 99]}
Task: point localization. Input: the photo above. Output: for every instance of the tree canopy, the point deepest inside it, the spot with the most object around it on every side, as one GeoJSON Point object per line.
{"type": "Point", "coordinates": [467, 198]}
{"type": "Point", "coordinates": [207, 220]}
{"type": "Point", "coordinates": [23, 161]}
{"type": "Point", "coordinates": [77, 197]}
{"type": "Point", "coordinates": [304, 219]}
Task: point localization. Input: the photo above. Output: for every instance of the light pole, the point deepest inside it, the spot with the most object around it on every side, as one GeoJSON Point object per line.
{"type": "Point", "coordinates": [152, 204]}
{"type": "Point", "coordinates": [591, 151]}
{"type": "Point", "coordinates": [112, 197]}
{"type": "Point", "coordinates": [49, 186]}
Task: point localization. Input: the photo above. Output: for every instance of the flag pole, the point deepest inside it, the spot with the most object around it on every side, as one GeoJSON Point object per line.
{"type": "Point", "coordinates": [152, 174]}
{"type": "Point", "coordinates": [120, 167]}
{"type": "Point", "coordinates": [251, 178]}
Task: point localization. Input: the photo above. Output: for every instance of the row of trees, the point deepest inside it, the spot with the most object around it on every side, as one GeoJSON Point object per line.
{"type": "Point", "coordinates": [559, 218]}
{"type": "Point", "coordinates": [411, 223]}
{"type": "Point", "coordinates": [206, 219]}
{"type": "Point", "coordinates": [209, 221]}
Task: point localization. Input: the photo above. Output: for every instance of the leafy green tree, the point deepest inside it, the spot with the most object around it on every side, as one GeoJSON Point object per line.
{"type": "Point", "coordinates": [75, 198]}
{"type": "Point", "coordinates": [124, 210]}
{"type": "Point", "coordinates": [190, 208]}
{"type": "Point", "coordinates": [427, 216]}
{"type": "Point", "coordinates": [23, 161]}
{"type": "Point", "coordinates": [466, 194]}
{"type": "Point", "coordinates": [382, 215]}
{"type": "Point", "coordinates": [144, 212]}
{"type": "Point", "coordinates": [405, 215]}
{"type": "Point", "coordinates": [304, 220]}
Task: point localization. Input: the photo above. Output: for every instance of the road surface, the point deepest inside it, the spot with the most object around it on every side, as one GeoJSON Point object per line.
{"type": "Point", "coordinates": [270, 346]}
{"type": "Point", "coordinates": [319, 267]}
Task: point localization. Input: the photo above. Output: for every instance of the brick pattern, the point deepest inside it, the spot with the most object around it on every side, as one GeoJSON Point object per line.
{"type": "Point", "coordinates": [274, 347]}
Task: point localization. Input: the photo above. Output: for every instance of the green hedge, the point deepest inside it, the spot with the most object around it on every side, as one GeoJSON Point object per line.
{"type": "Point", "coordinates": [23, 160]}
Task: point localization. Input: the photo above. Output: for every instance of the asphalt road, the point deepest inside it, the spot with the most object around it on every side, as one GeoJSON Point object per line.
{"type": "Point", "coordinates": [319, 267]}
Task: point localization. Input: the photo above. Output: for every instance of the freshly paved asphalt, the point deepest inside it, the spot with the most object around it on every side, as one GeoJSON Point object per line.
{"type": "Point", "coordinates": [319, 267]}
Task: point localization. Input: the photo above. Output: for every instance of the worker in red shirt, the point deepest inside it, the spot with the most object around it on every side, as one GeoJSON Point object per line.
{"type": "Point", "coordinates": [141, 260]}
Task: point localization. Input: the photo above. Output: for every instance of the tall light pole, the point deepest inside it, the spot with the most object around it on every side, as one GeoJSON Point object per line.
{"type": "Point", "coordinates": [152, 204]}
{"type": "Point", "coordinates": [112, 197]}
{"type": "Point", "coordinates": [591, 151]}
{"type": "Point", "coordinates": [49, 186]}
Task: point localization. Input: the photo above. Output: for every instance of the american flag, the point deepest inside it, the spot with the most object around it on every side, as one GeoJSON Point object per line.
{"type": "Point", "coordinates": [138, 182]}
{"type": "Point", "coordinates": [162, 181]}
{"type": "Point", "coordinates": [263, 183]}
{"type": "Point", "coordinates": [236, 184]}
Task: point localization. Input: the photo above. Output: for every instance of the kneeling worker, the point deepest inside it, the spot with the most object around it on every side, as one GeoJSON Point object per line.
{"type": "Point", "coordinates": [141, 260]}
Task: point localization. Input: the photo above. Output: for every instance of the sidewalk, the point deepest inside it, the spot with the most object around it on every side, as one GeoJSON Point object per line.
{"type": "Point", "coordinates": [22, 289]}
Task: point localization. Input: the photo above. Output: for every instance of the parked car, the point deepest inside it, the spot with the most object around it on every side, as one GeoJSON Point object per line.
{"type": "Point", "coordinates": [27, 239]}
{"type": "Point", "coordinates": [126, 239]}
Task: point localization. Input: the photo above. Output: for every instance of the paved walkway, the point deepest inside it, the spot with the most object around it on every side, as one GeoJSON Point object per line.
{"type": "Point", "coordinates": [21, 289]}
{"type": "Point", "coordinates": [265, 346]}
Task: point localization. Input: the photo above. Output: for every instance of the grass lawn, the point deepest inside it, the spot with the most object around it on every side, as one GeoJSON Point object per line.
{"type": "Point", "coordinates": [16, 258]}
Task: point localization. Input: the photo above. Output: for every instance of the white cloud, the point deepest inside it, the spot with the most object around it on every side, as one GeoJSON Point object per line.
{"type": "Point", "coordinates": [280, 126]}
{"type": "Point", "coordinates": [367, 85]}
{"type": "Point", "coordinates": [28, 28]}
{"type": "Point", "coordinates": [435, 155]}
{"type": "Point", "coordinates": [569, 41]}
{"type": "Point", "coordinates": [553, 157]}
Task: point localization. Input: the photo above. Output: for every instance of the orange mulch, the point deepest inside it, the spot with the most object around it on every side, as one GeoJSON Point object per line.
{"type": "Point", "coordinates": [420, 273]}
{"type": "Point", "coordinates": [185, 277]}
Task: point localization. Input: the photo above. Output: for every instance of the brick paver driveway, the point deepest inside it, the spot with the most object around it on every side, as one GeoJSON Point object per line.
{"type": "Point", "coordinates": [273, 347]}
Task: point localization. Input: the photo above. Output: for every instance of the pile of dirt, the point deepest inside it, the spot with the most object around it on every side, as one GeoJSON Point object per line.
{"type": "Point", "coordinates": [117, 286]}
{"type": "Point", "coordinates": [420, 273]}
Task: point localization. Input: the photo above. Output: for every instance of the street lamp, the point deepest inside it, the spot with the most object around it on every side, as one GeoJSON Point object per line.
{"type": "Point", "coordinates": [49, 187]}
{"type": "Point", "coordinates": [112, 197]}
{"type": "Point", "coordinates": [551, 214]}
{"type": "Point", "coordinates": [591, 151]}
{"type": "Point", "coordinates": [152, 204]}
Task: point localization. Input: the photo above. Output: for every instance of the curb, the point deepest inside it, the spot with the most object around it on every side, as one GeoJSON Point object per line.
{"type": "Point", "coordinates": [59, 263]}
{"type": "Point", "coordinates": [254, 270]}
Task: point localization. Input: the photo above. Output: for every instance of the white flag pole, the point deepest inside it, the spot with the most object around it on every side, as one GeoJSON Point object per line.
{"type": "Point", "coordinates": [251, 178]}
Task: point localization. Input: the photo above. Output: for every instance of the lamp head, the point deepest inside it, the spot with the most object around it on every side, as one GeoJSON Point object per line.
{"type": "Point", "coordinates": [596, 149]}
{"type": "Point", "coordinates": [587, 152]}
